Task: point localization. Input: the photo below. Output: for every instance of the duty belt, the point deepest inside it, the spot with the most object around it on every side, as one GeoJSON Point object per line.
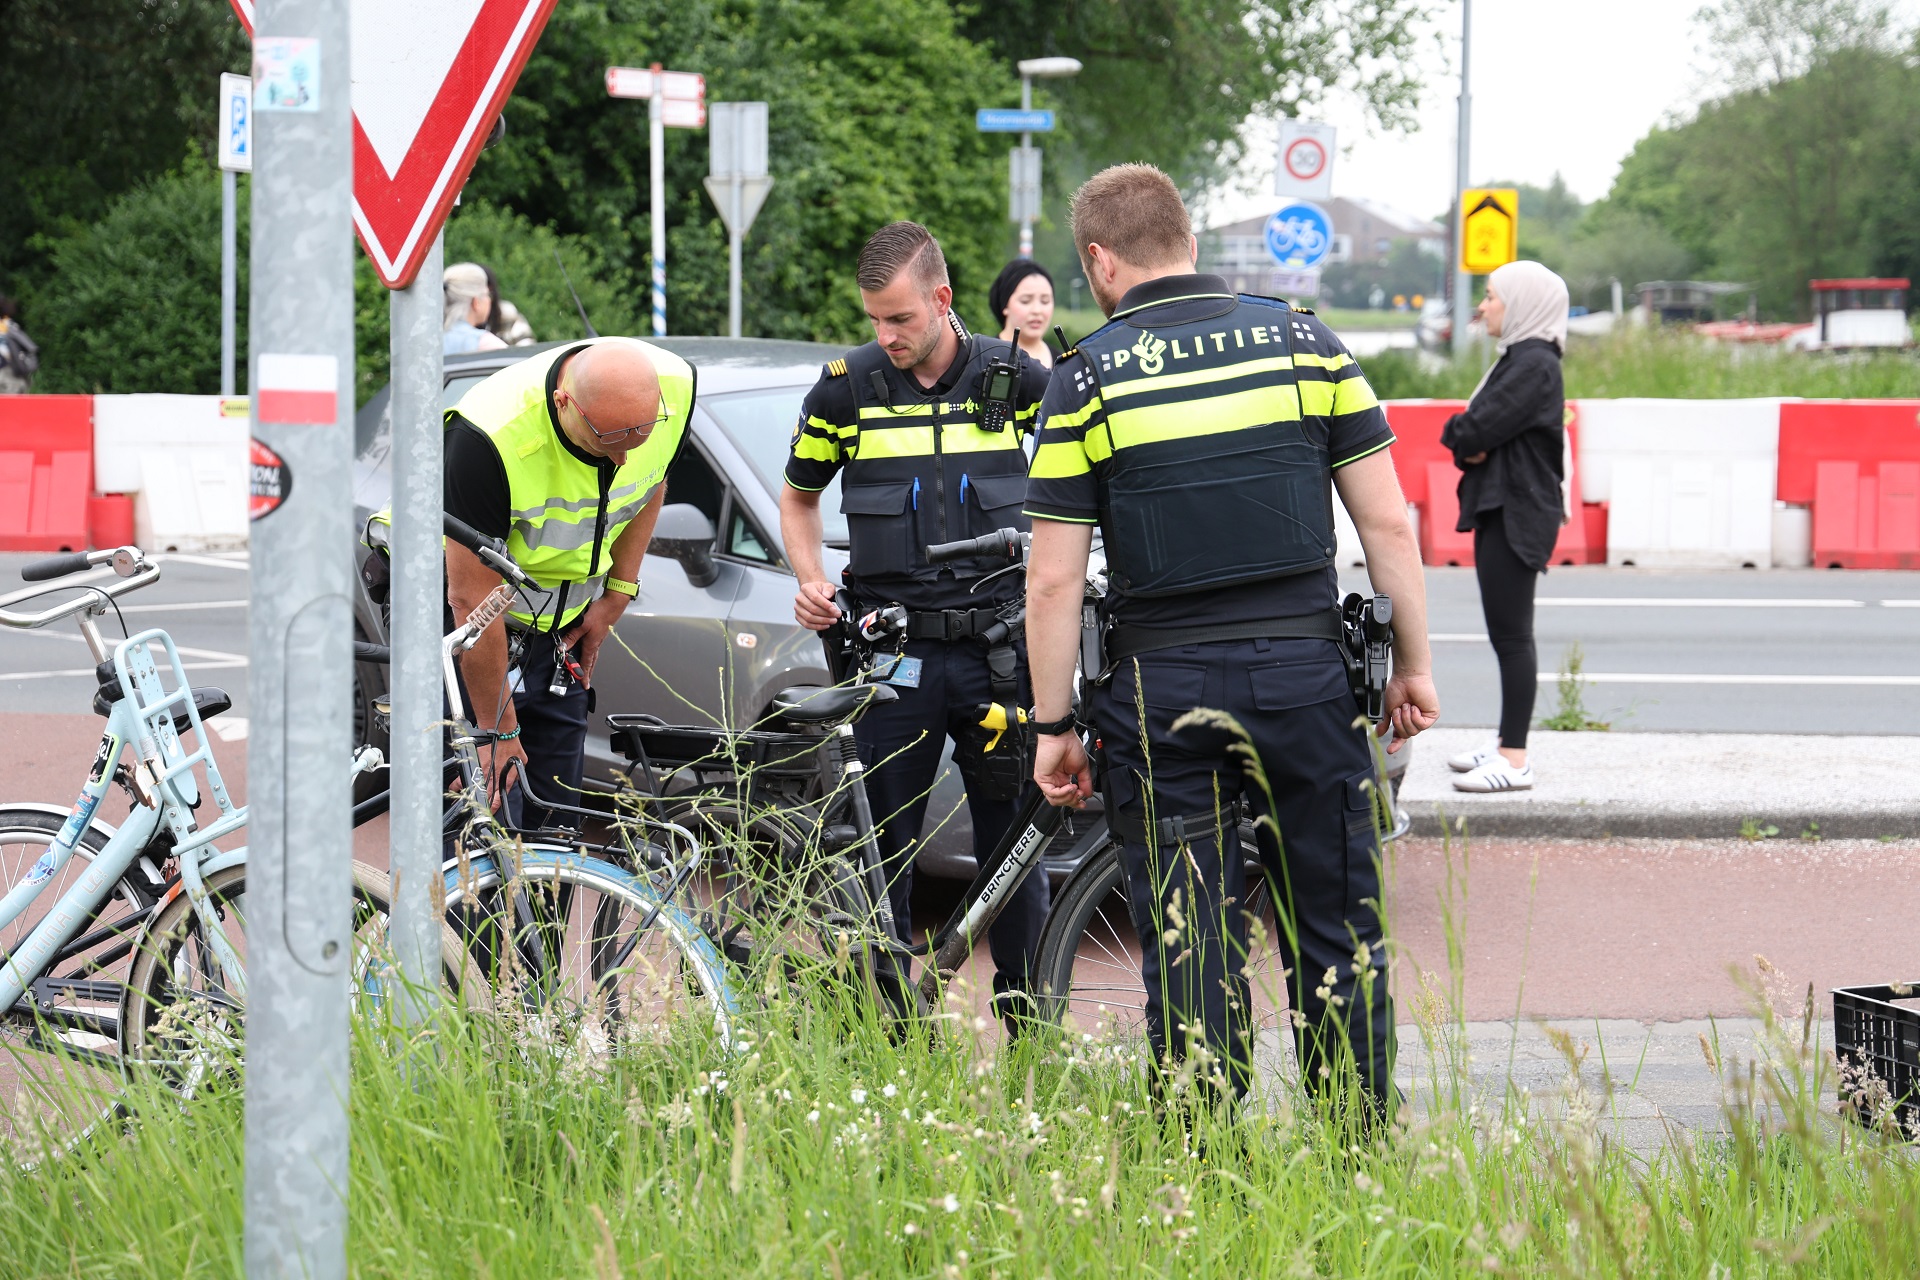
{"type": "Point", "coordinates": [1125, 642]}
{"type": "Point", "coordinates": [950, 624]}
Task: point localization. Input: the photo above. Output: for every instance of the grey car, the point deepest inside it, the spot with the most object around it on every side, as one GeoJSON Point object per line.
{"type": "Point", "coordinates": [711, 638]}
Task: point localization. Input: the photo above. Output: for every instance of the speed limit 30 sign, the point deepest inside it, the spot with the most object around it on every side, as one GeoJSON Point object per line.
{"type": "Point", "coordinates": [1304, 165]}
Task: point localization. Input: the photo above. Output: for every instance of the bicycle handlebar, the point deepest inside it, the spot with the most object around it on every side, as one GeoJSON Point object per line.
{"type": "Point", "coordinates": [56, 566]}
{"type": "Point", "coordinates": [1001, 544]}
{"type": "Point", "coordinates": [491, 551]}
{"type": "Point", "coordinates": [378, 653]}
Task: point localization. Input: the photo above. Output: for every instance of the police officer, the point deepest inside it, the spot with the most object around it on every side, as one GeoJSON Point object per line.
{"type": "Point", "coordinates": [563, 455]}
{"type": "Point", "coordinates": [923, 457]}
{"type": "Point", "coordinates": [1200, 431]}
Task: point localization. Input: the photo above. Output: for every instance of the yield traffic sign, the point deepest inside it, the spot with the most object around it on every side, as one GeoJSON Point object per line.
{"type": "Point", "coordinates": [428, 80]}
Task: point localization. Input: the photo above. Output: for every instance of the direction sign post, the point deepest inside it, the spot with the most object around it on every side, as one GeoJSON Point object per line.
{"type": "Point", "coordinates": [299, 889]}
{"type": "Point", "coordinates": [737, 182]}
{"type": "Point", "coordinates": [234, 128]}
{"type": "Point", "coordinates": [678, 100]}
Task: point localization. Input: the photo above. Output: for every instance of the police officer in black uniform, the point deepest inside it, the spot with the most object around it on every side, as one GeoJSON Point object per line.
{"type": "Point", "coordinates": [1203, 433]}
{"type": "Point", "coordinates": [926, 454]}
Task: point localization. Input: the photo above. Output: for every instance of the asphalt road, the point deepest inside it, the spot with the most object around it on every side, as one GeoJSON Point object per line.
{"type": "Point", "coordinates": [1778, 651]}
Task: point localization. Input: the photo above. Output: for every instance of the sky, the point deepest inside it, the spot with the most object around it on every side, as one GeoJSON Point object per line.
{"type": "Point", "coordinates": [1557, 85]}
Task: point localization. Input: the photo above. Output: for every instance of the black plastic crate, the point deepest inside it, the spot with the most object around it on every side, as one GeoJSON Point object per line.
{"type": "Point", "coordinates": [1877, 1029]}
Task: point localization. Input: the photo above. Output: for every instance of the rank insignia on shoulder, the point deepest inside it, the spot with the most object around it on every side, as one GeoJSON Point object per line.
{"type": "Point", "coordinates": [836, 368]}
{"type": "Point", "coordinates": [1300, 310]}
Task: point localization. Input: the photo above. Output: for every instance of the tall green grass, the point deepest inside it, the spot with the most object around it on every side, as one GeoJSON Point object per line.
{"type": "Point", "coordinates": [824, 1144]}
{"type": "Point", "coordinates": [1667, 363]}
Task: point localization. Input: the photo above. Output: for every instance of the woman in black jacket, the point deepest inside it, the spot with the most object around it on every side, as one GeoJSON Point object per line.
{"type": "Point", "coordinates": [1510, 445]}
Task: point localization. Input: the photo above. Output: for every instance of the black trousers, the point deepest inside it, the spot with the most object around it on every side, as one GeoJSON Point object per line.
{"type": "Point", "coordinates": [901, 744]}
{"type": "Point", "coordinates": [1291, 698]}
{"type": "Point", "coordinates": [553, 730]}
{"type": "Point", "coordinates": [1506, 599]}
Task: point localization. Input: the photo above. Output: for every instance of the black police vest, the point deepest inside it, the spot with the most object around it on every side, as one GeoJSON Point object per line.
{"type": "Point", "coordinates": [1216, 476]}
{"type": "Point", "coordinates": [923, 470]}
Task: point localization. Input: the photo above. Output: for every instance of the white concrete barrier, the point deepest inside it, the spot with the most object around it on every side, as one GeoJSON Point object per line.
{"type": "Point", "coordinates": [185, 463]}
{"type": "Point", "coordinates": [1690, 482]}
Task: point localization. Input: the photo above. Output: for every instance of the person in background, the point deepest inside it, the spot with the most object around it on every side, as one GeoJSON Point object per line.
{"type": "Point", "coordinates": [469, 305]}
{"type": "Point", "coordinates": [511, 326]}
{"type": "Point", "coordinates": [1021, 299]}
{"type": "Point", "coordinates": [1510, 444]}
{"type": "Point", "coordinates": [19, 355]}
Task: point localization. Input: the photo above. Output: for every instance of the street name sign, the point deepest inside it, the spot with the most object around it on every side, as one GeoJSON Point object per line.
{"type": "Point", "coordinates": [1012, 120]}
{"type": "Point", "coordinates": [1299, 236]}
{"type": "Point", "coordinates": [1490, 221]}
{"type": "Point", "coordinates": [683, 94]}
{"type": "Point", "coordinates": [1304, 166]}
{"type": "Point", "coordinates": [428, 79]}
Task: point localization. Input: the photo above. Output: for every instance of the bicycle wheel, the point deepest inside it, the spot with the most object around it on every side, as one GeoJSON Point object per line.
{"type": "Point", "coordinates": [182, 1014]}
{"type": "Point", "coordinates": [583, 957]}
{"type": "Point", "coordinates": [59, 1047]}
{"type": "Point", "coordinates": [779, 907]}
{"type": "Point", "coordinates": [1089, 959]}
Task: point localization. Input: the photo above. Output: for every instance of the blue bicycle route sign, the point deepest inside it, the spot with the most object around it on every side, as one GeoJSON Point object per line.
{"type": "Point", "coordinates": [1299, 236]}
{"type": "Point", "coordinates": [1012, 120]}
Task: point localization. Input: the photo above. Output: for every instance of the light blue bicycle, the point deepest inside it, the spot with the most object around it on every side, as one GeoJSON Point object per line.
{"type": "Point", "coordinates": [125, 945]}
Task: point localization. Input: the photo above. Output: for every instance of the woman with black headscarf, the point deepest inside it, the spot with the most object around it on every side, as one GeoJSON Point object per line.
{"type": "Point", "coordinates": [1510, 444]}
{"type": "Point", "coordinates": [1021, 299]}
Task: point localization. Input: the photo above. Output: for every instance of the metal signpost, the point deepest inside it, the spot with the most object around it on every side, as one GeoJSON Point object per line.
{"type": "Point", "coordinates": [299, 878]}
{"type": "Point", "coordinates": [677, 100]}
{"type": "Point", "coordinates": [1462, 281]}
{"type": "Point", "coordinates": [234, 129]}
{"type": "Point", "coordinates": [1023, 165]}
{"type": "Point", "coordinates": [737, 182]}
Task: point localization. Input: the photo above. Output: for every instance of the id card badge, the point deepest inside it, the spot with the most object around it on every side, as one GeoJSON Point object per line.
{"type": "Point", "coordinates": [516, 683]}
{"type": "Point", "coordinates": [898, 669]}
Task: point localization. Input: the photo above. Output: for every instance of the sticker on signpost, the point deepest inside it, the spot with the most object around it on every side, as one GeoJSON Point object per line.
{"type": "Point", "coordinates": [286, 73]}
{"type": "Point", "coordinates": [268, 481]}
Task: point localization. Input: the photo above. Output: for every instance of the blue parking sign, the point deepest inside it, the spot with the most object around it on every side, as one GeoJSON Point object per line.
{"type": "Point", "coordinates": [236, 123]}
{"type": "Point", "coordinates": [1299, 236]}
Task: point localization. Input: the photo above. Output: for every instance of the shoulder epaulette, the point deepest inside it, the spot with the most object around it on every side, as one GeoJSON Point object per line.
{"type": "Point", "coordinates": [1297, 309]}
{"type": "Point", "coordinates": [836, 368]}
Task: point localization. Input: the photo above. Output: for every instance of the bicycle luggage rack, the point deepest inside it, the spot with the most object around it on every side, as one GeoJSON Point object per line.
{"type": "Point", "coordinates": [160, 749]}
{"type": "Point", "coordinates": [709, 752]}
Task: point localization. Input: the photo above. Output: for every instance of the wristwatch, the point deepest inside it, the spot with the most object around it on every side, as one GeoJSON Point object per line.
{"type": "Point", "coordinates": [1065, 724]}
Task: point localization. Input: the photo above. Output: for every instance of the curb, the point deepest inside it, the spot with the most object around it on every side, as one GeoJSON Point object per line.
{"type": "Point", "coordinates": [1587, 822]}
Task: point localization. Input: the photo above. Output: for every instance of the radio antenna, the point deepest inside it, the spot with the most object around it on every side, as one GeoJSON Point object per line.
{"type": "Point", "coordinates": [585, 323]}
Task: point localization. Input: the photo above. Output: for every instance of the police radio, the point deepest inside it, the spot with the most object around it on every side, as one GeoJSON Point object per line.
{"type": "Point", "coordinates": [999, 384]}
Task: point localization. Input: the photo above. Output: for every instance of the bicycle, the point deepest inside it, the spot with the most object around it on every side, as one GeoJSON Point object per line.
{"type": "Point", "coordinates": [786, 806]}
{"type": "Point", "coordinates": [138, 958]}
{"type": "Point", "coordinates": [585, 940]}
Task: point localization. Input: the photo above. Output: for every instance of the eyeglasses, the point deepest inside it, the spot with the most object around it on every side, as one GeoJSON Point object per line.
{"type": "Point", "coordinates": [643, 429]}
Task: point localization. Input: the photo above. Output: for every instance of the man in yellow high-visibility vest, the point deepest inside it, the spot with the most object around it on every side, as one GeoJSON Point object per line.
{"type": "Point", "coordinates": [564, 456]}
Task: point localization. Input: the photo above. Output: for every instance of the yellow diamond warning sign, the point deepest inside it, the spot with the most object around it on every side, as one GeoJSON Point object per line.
{"type": "Point", "coordinates": [1491, 216]}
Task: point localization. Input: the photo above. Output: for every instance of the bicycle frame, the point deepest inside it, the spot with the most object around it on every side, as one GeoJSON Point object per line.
{"type": "Point", "coordinates": [140, 723]}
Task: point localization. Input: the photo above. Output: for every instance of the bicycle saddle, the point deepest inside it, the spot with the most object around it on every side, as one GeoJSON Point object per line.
{"type": "Point", "coordinates": [208, 700]}
{"type": "Point", "coordinates": [805, 705]}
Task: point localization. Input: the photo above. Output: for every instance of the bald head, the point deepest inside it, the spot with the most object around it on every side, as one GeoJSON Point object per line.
{"type": "Point", "coordinates": [612, 388]}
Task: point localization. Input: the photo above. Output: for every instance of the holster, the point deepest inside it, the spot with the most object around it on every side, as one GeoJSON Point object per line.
{"type": "Point", "coordinates": [999, 760]}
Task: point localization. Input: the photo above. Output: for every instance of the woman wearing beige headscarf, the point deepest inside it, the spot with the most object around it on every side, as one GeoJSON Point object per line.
{"type": "Point", "coordinates": [1509, 444]}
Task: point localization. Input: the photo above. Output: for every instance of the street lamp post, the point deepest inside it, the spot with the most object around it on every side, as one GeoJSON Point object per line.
{"type": "Point", "coordinates": [1032, 69]}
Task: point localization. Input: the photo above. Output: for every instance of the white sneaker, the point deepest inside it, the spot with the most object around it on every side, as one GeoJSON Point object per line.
{"type": "Point", "coordinates": [1495, 775]}
{"type": "Point", "coordinates": [1473, 759]}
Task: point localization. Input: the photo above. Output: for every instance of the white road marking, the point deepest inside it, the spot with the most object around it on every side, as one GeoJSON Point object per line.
{"type": "Point", "coordinates": [237, 560]}
{"type": "Point", "coordinates": [88, 671]}
{"type": "Point", "coordinates": [1701, 602]}
{"type": "Point", "coordinates": [229, 728]}
{"type": "Point", "coordinates": [1900, 604]}
{"type": "Point", "coordinates": [1725, 677]}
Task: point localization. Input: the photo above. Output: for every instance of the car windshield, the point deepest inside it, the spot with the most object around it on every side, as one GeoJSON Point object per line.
{"type": "Point", "coordinates": [761, 424]}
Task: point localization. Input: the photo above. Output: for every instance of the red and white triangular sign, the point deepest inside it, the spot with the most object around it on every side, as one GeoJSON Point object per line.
{"type": "Point", "coordinates": [429, 76]}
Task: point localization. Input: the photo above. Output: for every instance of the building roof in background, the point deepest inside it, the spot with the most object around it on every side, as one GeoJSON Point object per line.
{"type": "Point", "coordinates": [1364, 220]}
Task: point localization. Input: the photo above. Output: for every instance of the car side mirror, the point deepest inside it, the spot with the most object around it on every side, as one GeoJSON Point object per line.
{"type": "Point", "coordinates": [685, 534]}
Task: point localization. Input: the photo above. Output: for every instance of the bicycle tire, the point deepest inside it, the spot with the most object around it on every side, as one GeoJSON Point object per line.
{"type": "Point", "coordinates": [1088, 964]}
{"type": "Point", "coordinates": [65, 1057]}
{"type": "Point", "coordinates": [520, 913]}
{"type": "Point", "coordinates": [797, 908]}
{"type": "Point", "coordinates": [155, 1035]}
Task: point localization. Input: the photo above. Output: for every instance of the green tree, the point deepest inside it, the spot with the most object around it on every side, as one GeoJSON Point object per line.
{"type": "Point", "coordinates": [101, 96]}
